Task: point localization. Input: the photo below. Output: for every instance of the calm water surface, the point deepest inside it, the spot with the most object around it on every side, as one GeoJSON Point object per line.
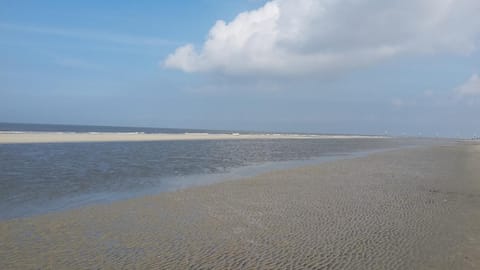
{"type": "Point", "coordinates": [38, 178]}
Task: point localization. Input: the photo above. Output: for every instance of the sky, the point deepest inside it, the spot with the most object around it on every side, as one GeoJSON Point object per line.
{"type": "Point", "coordinates": [401, 67]}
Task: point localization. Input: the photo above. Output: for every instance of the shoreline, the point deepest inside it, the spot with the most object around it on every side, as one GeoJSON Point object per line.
{"type": "Point", "coordinates": [398, 209]}
{"type": "Point", "coordinates": [12, 137]}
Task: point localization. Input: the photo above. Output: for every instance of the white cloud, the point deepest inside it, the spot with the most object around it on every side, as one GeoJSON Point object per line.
{"type": "Point", "coordinates": [470, 88]}
{"type": "Point", "coordinates": [296, 37]}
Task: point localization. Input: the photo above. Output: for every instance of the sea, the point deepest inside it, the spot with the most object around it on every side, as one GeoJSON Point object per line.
{"type": "Point", "coordinates": [46, 177]}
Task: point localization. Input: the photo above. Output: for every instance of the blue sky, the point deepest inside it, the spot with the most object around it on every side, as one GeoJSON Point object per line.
{"type": "Point", "coordinates": [284, 65]}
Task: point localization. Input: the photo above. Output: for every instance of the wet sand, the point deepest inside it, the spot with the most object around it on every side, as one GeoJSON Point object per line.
{"type": "Point", "coordinates": [404, 209]}
{"type": "Point", "coordinates": [58, 137]}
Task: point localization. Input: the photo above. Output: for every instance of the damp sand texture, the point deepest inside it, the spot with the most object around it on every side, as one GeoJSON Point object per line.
{"type": "Point", "coordinates": [404, 209]}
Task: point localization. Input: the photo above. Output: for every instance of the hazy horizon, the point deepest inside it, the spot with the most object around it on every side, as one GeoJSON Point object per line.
{"type": "Point", "coordinates": [166, 128]}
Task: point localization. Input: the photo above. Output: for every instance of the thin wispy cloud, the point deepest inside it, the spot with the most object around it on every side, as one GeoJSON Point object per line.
{"type": "Point", "coordinates": [86, 34]}
{"type": "Point", "coordinates": [469, 88]}
{"type": "Point", "coordinates": [78, 63]}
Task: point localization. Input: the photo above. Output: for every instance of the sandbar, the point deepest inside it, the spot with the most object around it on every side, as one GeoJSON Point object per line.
{"type": "Point", "coordinates": [65, 137]}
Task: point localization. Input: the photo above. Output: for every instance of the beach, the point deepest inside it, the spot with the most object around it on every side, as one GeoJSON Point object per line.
{"type": "Point", "coordinates": [415, 208]}
{"type": "Point", "coordinates": [68, 137]}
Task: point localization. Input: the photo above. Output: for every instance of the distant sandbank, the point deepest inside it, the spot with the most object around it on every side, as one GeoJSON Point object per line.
{"type": "Point", "coordinates": [65, 137]}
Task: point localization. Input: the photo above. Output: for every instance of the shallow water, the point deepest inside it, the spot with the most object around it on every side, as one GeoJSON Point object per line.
{"type": "Point", "coordinates": [38, 178]}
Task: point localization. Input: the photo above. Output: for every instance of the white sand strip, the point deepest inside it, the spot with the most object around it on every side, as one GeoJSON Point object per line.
{"type": "Point", "coordinates": [58, 137]}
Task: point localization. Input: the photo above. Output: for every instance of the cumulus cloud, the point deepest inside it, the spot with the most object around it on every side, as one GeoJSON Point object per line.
{"type": "Point", "coordinates": [470, 88]}
{"type": "Point", "coordinates": [294, 37]}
